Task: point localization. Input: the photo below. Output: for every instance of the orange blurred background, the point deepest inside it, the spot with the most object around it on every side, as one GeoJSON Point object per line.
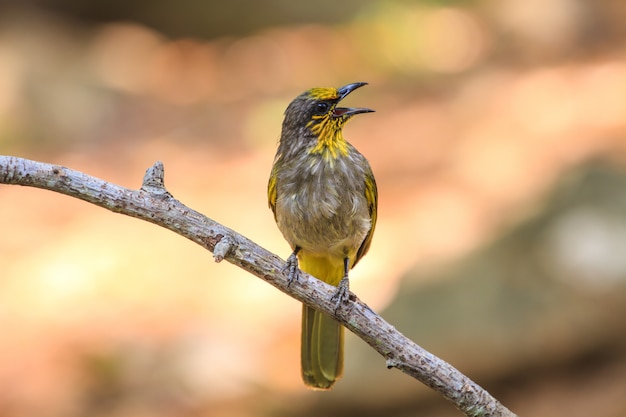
{"type": "Point", "coordinates": [483, 109]}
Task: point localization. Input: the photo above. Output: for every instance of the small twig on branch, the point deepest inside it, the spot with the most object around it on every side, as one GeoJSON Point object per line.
{"type": "Point", "coordinates": [155, 204]}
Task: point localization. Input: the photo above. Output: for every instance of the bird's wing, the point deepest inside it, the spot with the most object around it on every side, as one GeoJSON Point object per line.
{"type": "Point", "coordinates": [271, 191]}
{"type": "Point", "coordinates": [371, 195]}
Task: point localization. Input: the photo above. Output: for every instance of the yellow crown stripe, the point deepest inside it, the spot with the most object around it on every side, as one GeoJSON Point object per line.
{"type": "Point", "coordinates": [320, 93]}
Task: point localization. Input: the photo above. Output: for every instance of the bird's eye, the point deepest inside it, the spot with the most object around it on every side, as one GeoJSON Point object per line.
{"type": "Point", "coordinates": [321, 108]}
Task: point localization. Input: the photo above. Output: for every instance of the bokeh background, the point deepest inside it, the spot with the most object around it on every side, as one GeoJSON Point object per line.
{"type": "Point", "coordinates": [499, 148]}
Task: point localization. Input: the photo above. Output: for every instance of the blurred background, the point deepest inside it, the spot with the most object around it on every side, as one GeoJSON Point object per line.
{"type": "Point", "coordinates": [499, 148]}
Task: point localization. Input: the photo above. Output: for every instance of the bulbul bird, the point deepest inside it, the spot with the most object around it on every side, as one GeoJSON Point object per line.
{"type": "Point", "coordinates": [324, 198]}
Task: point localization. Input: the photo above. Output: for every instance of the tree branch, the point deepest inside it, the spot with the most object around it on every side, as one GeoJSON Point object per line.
{"type": "Point", "coordinates": [155, 204]}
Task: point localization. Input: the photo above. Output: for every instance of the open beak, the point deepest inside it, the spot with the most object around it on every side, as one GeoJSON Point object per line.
{"type": "Point", "coordinates": [349, 111]}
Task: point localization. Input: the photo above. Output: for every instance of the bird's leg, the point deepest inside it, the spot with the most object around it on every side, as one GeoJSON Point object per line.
{"type": "Point", "coordinates": [343, 289]}
{"type": "Point", "coordinates": [291, 267]}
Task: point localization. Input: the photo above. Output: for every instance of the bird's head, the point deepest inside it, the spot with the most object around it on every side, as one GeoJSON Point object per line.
{"type": "Point", "coordinates": [314, 116]}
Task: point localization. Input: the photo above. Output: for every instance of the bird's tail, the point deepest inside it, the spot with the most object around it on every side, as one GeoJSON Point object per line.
{"type": "Point", "coordinates": [322, 336]}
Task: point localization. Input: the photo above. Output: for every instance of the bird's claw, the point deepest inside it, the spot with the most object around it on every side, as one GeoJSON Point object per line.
{"type": "Point", "coordinates": [342, 294]}
{"type": "Point", "coordinates": [291, 268]}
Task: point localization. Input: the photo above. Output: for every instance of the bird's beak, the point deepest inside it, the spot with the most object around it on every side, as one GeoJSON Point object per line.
{"type": "Point", "coordinates": [349, 111]}
{"type": "Point", "coordinates": [347, 89]}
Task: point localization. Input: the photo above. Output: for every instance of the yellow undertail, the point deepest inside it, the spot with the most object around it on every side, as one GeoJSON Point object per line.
{"type": "Point", "coordinates": [322, 336]}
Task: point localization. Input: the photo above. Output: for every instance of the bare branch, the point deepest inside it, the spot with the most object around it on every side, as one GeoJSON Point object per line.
{"type": "Point", "coordinates": [155, 204]}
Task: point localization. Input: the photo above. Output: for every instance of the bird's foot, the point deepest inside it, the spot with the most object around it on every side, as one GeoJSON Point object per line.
{"type": "Point", "coordinates": [292, 269]}
{"type": "Point", "coordinates": [342, 294]}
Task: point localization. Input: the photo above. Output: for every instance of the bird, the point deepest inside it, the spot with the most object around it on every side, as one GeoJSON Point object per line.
{"type": "Point", "coordinates": [324, 198]}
